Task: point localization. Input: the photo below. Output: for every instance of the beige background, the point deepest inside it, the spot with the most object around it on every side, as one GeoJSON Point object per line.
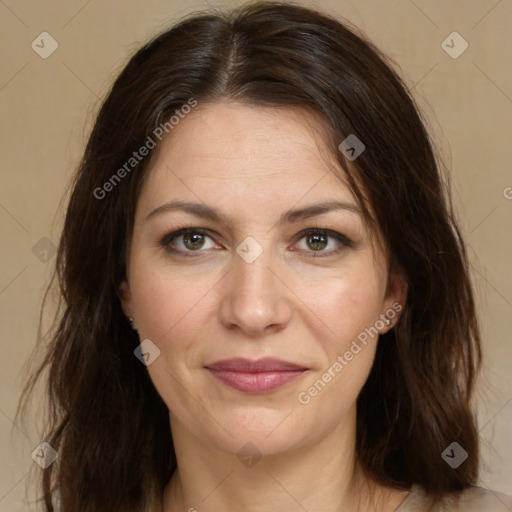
{"type": "Point", "coordinates": [47, 106]}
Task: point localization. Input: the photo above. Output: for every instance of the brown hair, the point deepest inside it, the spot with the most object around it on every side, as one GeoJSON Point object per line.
{"type": "Point", "coordinates": [105, 418]}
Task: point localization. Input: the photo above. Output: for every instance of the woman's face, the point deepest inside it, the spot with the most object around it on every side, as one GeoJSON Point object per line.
{"type": "Point", "coordinates": [247, 283]}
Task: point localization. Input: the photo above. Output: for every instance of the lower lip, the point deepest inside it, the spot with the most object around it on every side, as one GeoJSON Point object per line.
{"type": "Point", "coordinates": [256, 382]}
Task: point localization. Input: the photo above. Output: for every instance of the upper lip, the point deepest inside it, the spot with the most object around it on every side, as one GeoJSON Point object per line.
{"type": "Point", "coordinates": [266, 364]}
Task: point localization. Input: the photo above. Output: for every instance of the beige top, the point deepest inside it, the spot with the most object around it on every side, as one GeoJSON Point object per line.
{"type": "Point", "coordinates": [473, 499]}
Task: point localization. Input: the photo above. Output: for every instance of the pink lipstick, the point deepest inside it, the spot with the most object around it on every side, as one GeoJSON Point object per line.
{"type": "Point", "coordinates": [260, 376]}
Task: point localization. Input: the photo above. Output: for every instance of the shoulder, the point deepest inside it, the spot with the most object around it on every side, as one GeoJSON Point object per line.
{"type": "Point", "coordinates": [472, 499]}
{"type": "Point", "coordinates": [479, 499]}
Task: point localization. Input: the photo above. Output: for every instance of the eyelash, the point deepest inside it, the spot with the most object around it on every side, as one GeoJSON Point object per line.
{"type": "Point", "coordinates": [166, 240]}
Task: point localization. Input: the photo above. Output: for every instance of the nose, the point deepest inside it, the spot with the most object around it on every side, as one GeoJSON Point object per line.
{"type": "Point", "coordinates": [255, 297]}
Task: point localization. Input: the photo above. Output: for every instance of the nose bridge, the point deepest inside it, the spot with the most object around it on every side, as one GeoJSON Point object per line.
{"type": "Point", "coordinates": [253, 274]}
{"type": "Point", "coordinates": [255, 298]}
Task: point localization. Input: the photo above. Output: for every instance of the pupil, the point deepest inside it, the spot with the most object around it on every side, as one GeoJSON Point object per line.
{"type": "Point", "coordinates": [194, 239]}
{"type": "Point", "coordinates": [317, 240]}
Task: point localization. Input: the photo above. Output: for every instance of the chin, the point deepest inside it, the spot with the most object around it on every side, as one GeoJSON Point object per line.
{"type": "Point", "coordinates": [264, 431]}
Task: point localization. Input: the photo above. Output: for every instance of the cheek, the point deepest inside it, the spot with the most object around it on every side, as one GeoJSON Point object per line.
{"type": "Point", "coordinates": [171, 310]}
{"type": "Point", "coordinates": [350, 310]}
{"type": "Point", "coordinates": [347, 304]}
{"type": "Point", "coordinates": [166, 304]}
{"type": "Point", "coordinates": [349, 307]}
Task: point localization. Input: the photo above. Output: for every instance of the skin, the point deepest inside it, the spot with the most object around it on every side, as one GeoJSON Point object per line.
{"type": "Point", "coordinates": [296, 302]}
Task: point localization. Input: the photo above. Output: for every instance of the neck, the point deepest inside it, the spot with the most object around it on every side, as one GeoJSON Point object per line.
{"type": "Point", "coordinates": [320, 475]}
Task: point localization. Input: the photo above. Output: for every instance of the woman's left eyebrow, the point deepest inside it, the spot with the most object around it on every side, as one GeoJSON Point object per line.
{"type": "Point", "coordinates": [289, 217]}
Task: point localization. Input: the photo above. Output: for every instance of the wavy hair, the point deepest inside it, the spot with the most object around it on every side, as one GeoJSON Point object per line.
{"type": "Point", "coordinates": [104, 415]}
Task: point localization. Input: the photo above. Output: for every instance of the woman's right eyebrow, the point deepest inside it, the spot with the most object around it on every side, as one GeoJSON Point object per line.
{"type": "Point", "coordinates": [289, 217]}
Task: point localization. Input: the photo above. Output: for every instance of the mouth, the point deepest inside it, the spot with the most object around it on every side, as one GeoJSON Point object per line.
{"type": "Point", "coordinates": [255, 376]}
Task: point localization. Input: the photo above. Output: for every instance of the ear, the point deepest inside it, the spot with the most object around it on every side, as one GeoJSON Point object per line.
{"type": "Point", "coordinates": [125, 297]}
{"type": "Point", "coordinates": [394, 301]}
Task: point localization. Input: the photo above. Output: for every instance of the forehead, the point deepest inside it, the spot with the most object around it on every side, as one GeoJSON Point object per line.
{"type": "Point", "coordinates": [258, 149]}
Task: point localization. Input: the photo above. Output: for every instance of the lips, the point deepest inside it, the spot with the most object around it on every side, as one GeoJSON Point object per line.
{"type": "Point", "coordinates": [267, 364]}
{"type": "Point", "coordinates": [255, 376]}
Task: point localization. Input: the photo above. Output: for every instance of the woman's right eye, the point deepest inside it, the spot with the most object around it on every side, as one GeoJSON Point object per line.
{"type": "Point", "coordinates": [186, 241]}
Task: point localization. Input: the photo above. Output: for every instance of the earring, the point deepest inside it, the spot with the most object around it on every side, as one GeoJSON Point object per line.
{"type": "Point", "coordinates": [388, 321]}
{"type": "Point", "coordinates": [132, 322]}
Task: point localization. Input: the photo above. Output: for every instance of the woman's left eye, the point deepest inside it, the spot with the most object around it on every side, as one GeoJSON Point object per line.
{"type": "Point", "coordinates": [193, 240]}
{"type": "Point", "coordinates": [317, 239]}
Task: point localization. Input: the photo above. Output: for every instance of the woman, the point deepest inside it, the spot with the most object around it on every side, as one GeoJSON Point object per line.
{"type": "Point", "coordinates": [267, 303]}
